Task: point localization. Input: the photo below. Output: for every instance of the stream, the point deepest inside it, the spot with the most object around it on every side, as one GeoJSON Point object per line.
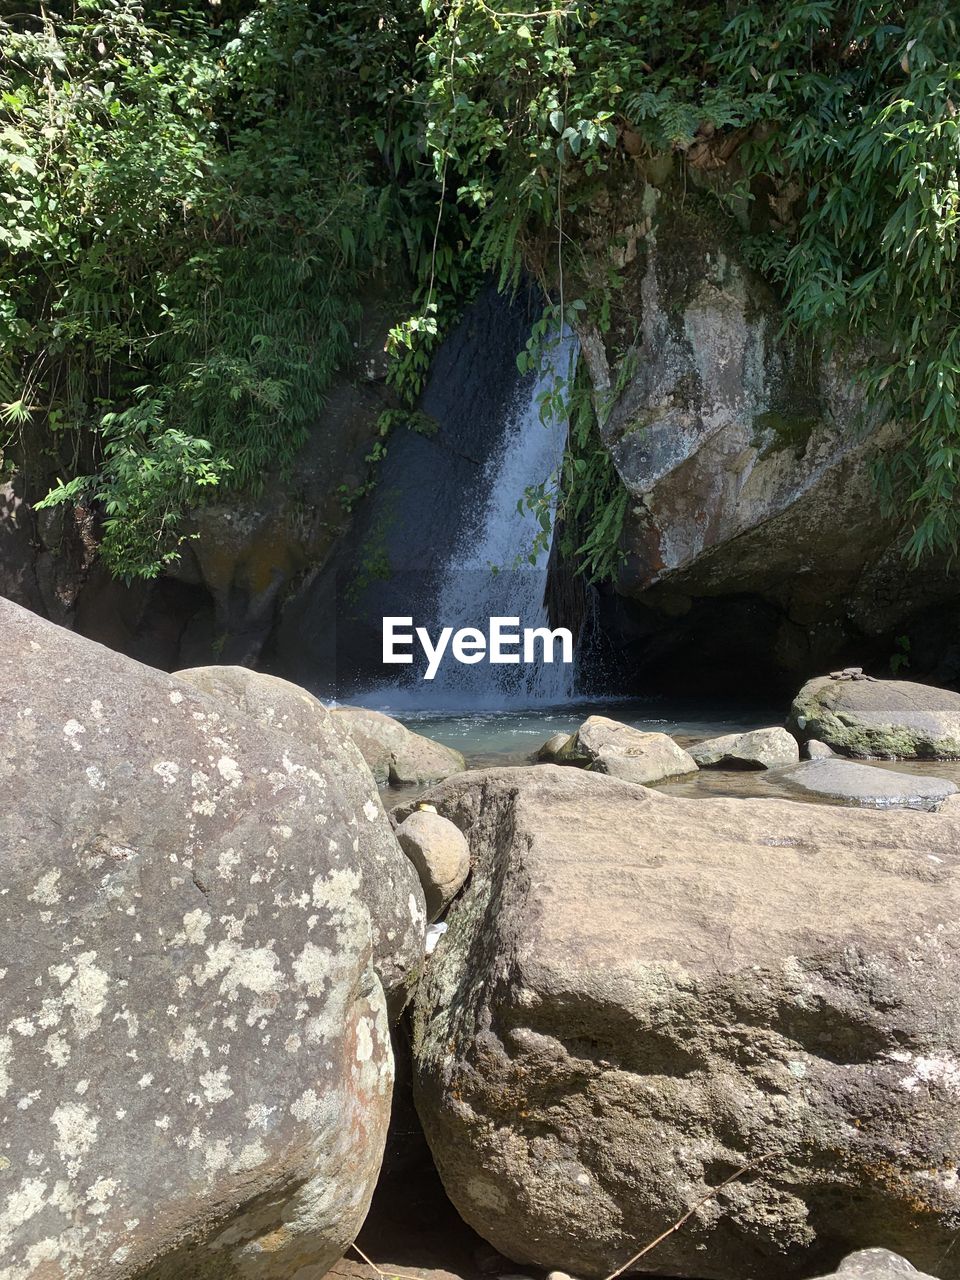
{"type": "Point", "coordinates": [496, 739]}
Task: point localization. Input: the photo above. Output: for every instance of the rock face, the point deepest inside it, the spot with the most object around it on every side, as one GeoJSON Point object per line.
{"type": "Point", "coordinates": [606, 746]}
{"type": "Point", "coordinates": [875, 1264]}
{"type": "Point", "coordinates": [394, 753]}
{"type": "Point", "coordinates": [753, 533]}
{"type": "Point", "coordinates": [440, 853]}
{"type": "Point", "coordinates": [584, 1076]}
{"type": "Point", "coordinates": [759, 749]}
{"type": "Point", "coordinates": [193, 1031]}
{"type": "Point", "coordinates": [892, 718]}
{"type": "Point", "coordinates": [864, 784]}
{"type": "Point", "coordinates": [238, 561]}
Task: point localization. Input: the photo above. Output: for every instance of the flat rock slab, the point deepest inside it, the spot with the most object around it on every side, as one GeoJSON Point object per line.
{"type": "Point", "coordinates": [863, 784]}
{"type": "Point", "coordinates": [639, 995]}
{"type": "Point", "coordinates": [895, 719]}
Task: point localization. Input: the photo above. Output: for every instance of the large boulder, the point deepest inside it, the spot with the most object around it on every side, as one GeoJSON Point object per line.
{"type": "Point", "coordinates": [607, 746]}
{"type": "Point", "coordinates": [279, 704]}
{"type": "Point", "coordinates": [202, 914]}
{"type": "Point", "coordinates": [875, 1264]}
{"type": "Point", "coordinates": [395, 753]}
{"type": "Point", "coordinates": [640, 995]}
{"type": "Point", "coordinates": [864, 784]}
{"type": "Point", "coordinates": [758, 749]}
{"type": "Point", "coordinates": [896, 719]}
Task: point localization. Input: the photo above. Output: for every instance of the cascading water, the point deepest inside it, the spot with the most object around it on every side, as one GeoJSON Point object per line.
{"type": "Point", "coordinates": [442, 515]}
{"type": "Point", "coordinates": [488, 572]}
{"type": "Point", "coordinates": [441, 538]}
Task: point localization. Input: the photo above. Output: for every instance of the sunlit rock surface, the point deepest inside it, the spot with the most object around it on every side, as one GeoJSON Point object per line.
{"type": "Point", "coordinates": [199, 914]}
{"type": "Point", "coordinates": [639, 996]}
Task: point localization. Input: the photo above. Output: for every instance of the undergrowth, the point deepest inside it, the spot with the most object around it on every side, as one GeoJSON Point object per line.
{"type": "Point", "coordinates": [195, 198]}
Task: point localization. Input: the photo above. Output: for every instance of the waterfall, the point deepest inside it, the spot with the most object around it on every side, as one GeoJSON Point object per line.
{"type": "Point", "coordinates": [441, 538]}
{"type": "Point", "coordinates": [487, 572]}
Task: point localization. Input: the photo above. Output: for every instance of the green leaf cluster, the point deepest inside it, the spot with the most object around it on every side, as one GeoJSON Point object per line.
{"type": "Point", "coordinates": [191, 203]}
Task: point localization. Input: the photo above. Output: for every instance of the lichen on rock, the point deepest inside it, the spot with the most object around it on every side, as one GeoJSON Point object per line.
{"type": "Point", "coordinates": [207, 908]}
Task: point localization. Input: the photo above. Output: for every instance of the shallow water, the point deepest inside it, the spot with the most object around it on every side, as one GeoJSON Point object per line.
{"type": "Point", "coordinates": [488, 739]}
{"type": "Point", "coordinates": [768, 782]}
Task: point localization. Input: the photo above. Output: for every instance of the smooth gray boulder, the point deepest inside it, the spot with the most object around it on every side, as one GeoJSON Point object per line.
{"type": "Point", "coordinates": [639, 995]}
{"type": "Point", "coordinates": [875, 1264]}
{"type": "Point", "coordinates": [201, 914]}
{"type": "Point", "coordinates": [816, 750]}
{"type": "Point", "coordinates": [606, 746]}
{"type": "Point", "coordinates": [864, 784]}
{"type": "Point", "coordinates": [440, 854]}
{"type": "Point", "coordinates": [895, 719]}
{"type": "Point", "coordinates": [758, 749]}
{"type": "Point", "coordinates": [394, 753]}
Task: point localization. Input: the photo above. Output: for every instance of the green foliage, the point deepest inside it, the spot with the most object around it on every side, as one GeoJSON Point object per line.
{"type": "Point", "coordinates": [593, 499]}
{"type": "Point", "coordinates": [584, 501]}
{"type": "Point", "coordinates": [859, 112]}
{"type": "Point", "coordinates": [838, 119]}
{"type": "Point", "coordinates": [195, 208]}
{"type": "Point", "coordinates": [194, 198]}
{"type": "Point", "coordinates": [151, 472]}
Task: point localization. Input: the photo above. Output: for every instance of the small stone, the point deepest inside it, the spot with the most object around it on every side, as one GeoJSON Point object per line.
{"type": "Point", "coordinates": [817, 750]}
{"type": "Point", "coordinates": [439, 851]}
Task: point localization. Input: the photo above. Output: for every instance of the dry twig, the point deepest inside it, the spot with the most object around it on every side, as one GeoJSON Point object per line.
{"type": "Point", "coordinates": [680, 1222]}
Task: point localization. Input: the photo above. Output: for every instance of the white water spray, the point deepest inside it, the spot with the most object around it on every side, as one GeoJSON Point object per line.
{"type": "Point", "coordinates": [488, 573]}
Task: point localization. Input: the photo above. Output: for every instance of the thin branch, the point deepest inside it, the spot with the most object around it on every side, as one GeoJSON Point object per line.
{"type": "Point", "coordinates": [384, 1275]}
{"type": "Point", "coordinates": [680, 1222]}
